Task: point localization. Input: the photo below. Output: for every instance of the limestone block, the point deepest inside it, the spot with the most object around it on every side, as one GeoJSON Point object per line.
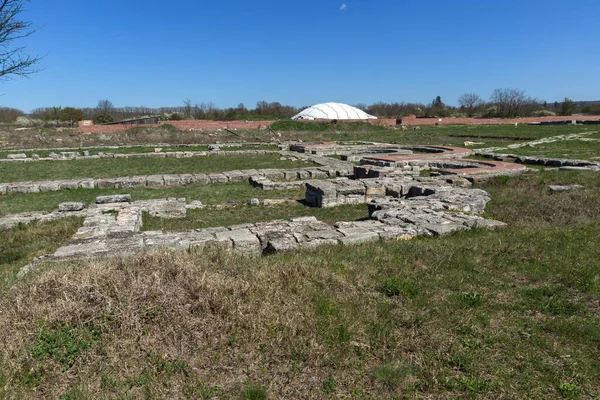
{"type": "Point", "coordinates": [71, 184]}
{"type": "Point", "coordinates": [217, 178]}
{"type": "Point", "coordinates": [130, 182]}
{"type": "Point", "coordinates": [235, 176]}
{"type": "Point", "coordinates": [49, 186]}
{"type": "Point", "coordinates": [290, 175]}
{"type": "Point", "coordinates": [105, 183]}
{"type": "Point", "coordinates": [201, 179]}
{"type": "Point", "coordinates": [92, 249]}
{"type": "Point", "coordinates": [187, 179]}
{"type": "Point", "coordinates": [22, 187]}
{"type": "Point", "coordinates": [155, 180]}
{"type": "Point", "coordinates": [272, 174]}
{"type": "Point", "coordinates": [87, 183]}
{"type": "Point", "coordinates": [443, 229]}
{"type": "Point", "coordinates": [18, 156]}
{"type": "Point", "coordinates": [71, 206]}
{"type": "Point", "coordinates": [172, 180]}
{"type": "Point", "coordinates": [115, 198]}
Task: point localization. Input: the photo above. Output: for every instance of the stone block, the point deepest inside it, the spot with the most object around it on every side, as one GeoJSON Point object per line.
{"type": "Point", "coordinates": [22, 187]}
{"type": "Point", "coordinates": [87, 183]}
{"type": "Point", "coordinates": [49, 186]}
{"type": "Point", "coordinates": [187, 179]}
{"type": "Point", "coordinates": [105, 183]}
{"type": "Point", "coordinates": [130, 182]}
{"type": "Point", "coordinates": [18, 156]}
{"type": "Point", "coordinates": [201, 179]}
{"type": "Point", "coordinates": [235, 176]}
{"type": "Point", "coordinates": [115, 198]}
{"type": "Point", "coordinates": [155, 180]}
{"type": "Point", "coordinates": [272, 174]}
{"type": "Point", "coordinates": [217, 178]}
{"type": "Point", "coordinates": [172, 180]}
{"type": "Point", "coordinates": [71, 206]}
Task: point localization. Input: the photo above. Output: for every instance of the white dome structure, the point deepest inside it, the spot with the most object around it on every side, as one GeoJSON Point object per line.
{"type": "Point", "coordinates": [332, 111]}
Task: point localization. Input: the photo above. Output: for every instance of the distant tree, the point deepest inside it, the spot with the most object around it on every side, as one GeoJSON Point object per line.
{"type": "Point", "coordinates": [104, 106]}
{"type": "Point", "coordinates": [470, 102]}
{"type": "Point", "coordinates": [568, 107]}
{"type": "Point", "coordinates": [13, 60]}
{"type": "Point", "coordinates": [187, 108]}
{"type": "Point", "coordinates": [52, 114]}
{"type": "Point", "coordinates": [437, 103]}
{"type": "Point", "coordinates": [512, 103]}
{"type": "Point", "coordinates": [71, 115]}
{"type": "Point", "coordinates": [102, 117]}
{"type": "Point", "coordinates": [10, 115]}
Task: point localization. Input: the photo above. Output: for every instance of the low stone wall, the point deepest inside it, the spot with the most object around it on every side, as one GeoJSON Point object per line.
{"type": "Point", "coordinates": [84, 155]}
{"type": "Point", "coordinates": [175, 179]}
{"type": "Point", "coordinates": [546, 161]}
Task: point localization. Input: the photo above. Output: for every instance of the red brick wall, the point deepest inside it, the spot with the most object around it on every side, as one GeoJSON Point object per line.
{"type": "Point", "coordinates": [181, 125]}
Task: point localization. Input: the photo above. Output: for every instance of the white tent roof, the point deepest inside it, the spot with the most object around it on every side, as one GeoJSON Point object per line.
{"type": "Point", "coordinates": [332, 111]}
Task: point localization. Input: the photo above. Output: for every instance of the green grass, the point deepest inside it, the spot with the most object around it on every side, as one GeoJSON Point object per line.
{"type": "Point", "coordinates": [207, 194]}
{"type": "Point", "coordinates": [107, 168]}
{"type": "Point", "coordinates": [24, 242]}
{"type": "Point", "coordinates": [241, 214]}
{"type": "Point", "coordinates": [449, 135]}
{"type": "Point", "coordinates": [510, 313]}
{"type": "Point", "coordinates": [574, 149]}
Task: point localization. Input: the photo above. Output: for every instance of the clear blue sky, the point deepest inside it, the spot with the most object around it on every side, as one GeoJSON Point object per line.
{"type": "Point", "coordinates": [158, 53]}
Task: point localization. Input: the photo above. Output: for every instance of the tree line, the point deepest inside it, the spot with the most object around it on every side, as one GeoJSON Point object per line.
{"type": "Point", "coordinates": [503, 103]}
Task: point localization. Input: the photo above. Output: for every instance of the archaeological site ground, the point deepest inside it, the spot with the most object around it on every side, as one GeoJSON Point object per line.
{"type": "Point", "coordinates": [306, 260]}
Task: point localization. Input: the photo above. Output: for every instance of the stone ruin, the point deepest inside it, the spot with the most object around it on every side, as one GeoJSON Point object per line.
{"type": "Point", "coordinates": [401, 203]}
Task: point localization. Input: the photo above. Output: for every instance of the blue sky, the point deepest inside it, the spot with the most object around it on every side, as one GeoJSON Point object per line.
{"type": "Point", "coordinates": [156, 53]}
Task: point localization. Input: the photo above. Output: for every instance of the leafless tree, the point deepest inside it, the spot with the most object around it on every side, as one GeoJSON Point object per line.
{"type": "Point", "coordinates": [187, 108]}
{"type": "Point", "coordinates": [512, 103]}
{"type": "Point", "coordinates": [105, 106]}
{"type": "Point", "coordinates": [13, 60]}
{"type": "Point", "coordinates": [470, 102]}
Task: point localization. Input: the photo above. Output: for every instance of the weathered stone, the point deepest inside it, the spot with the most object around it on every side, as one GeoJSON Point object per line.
{"type": "Point", "coordinates": [187, 179]}
{"type": "Point", "coordinates": [22, 187]}
{"type": "Point", "coordinates": [254, 202]}
{"type": "Point", "coordinates": [201, 179]}
{"type": "Point", "coordinates": [71, 206]}
{"type": "Point", "coordinates": [115, 198]}
{"type": "Point", "coordinates": [195, 205]}
{"type": "Point", "coordinates": [565, 188]}
{"type": "Point", "coordinates": [105, 183]}
{"type": "Point", "coordinates": [18, 156]}
{"type": "Point", "coordinates": [217, 178]}
{"type": "Point", "coordinates": [155, 180]}
{"type": "Point", "coordinates": [130, 182]}
{"type": "Point", "coordinates": [50, 186]}
{"type": "Point", "coordinates": [87, 183]}
{"type": "Point", "coordinates": [172, 179]}
{"type": "Point", "coordinates": [169, 209]}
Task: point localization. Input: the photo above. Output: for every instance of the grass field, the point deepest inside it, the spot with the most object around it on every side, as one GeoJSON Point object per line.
{"type": "Point", "coordinates": [115, 167]}
{"type": "Point", "coordinates": [242, 214]}
{"type": "Point", "coordinates": [512, 313]}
